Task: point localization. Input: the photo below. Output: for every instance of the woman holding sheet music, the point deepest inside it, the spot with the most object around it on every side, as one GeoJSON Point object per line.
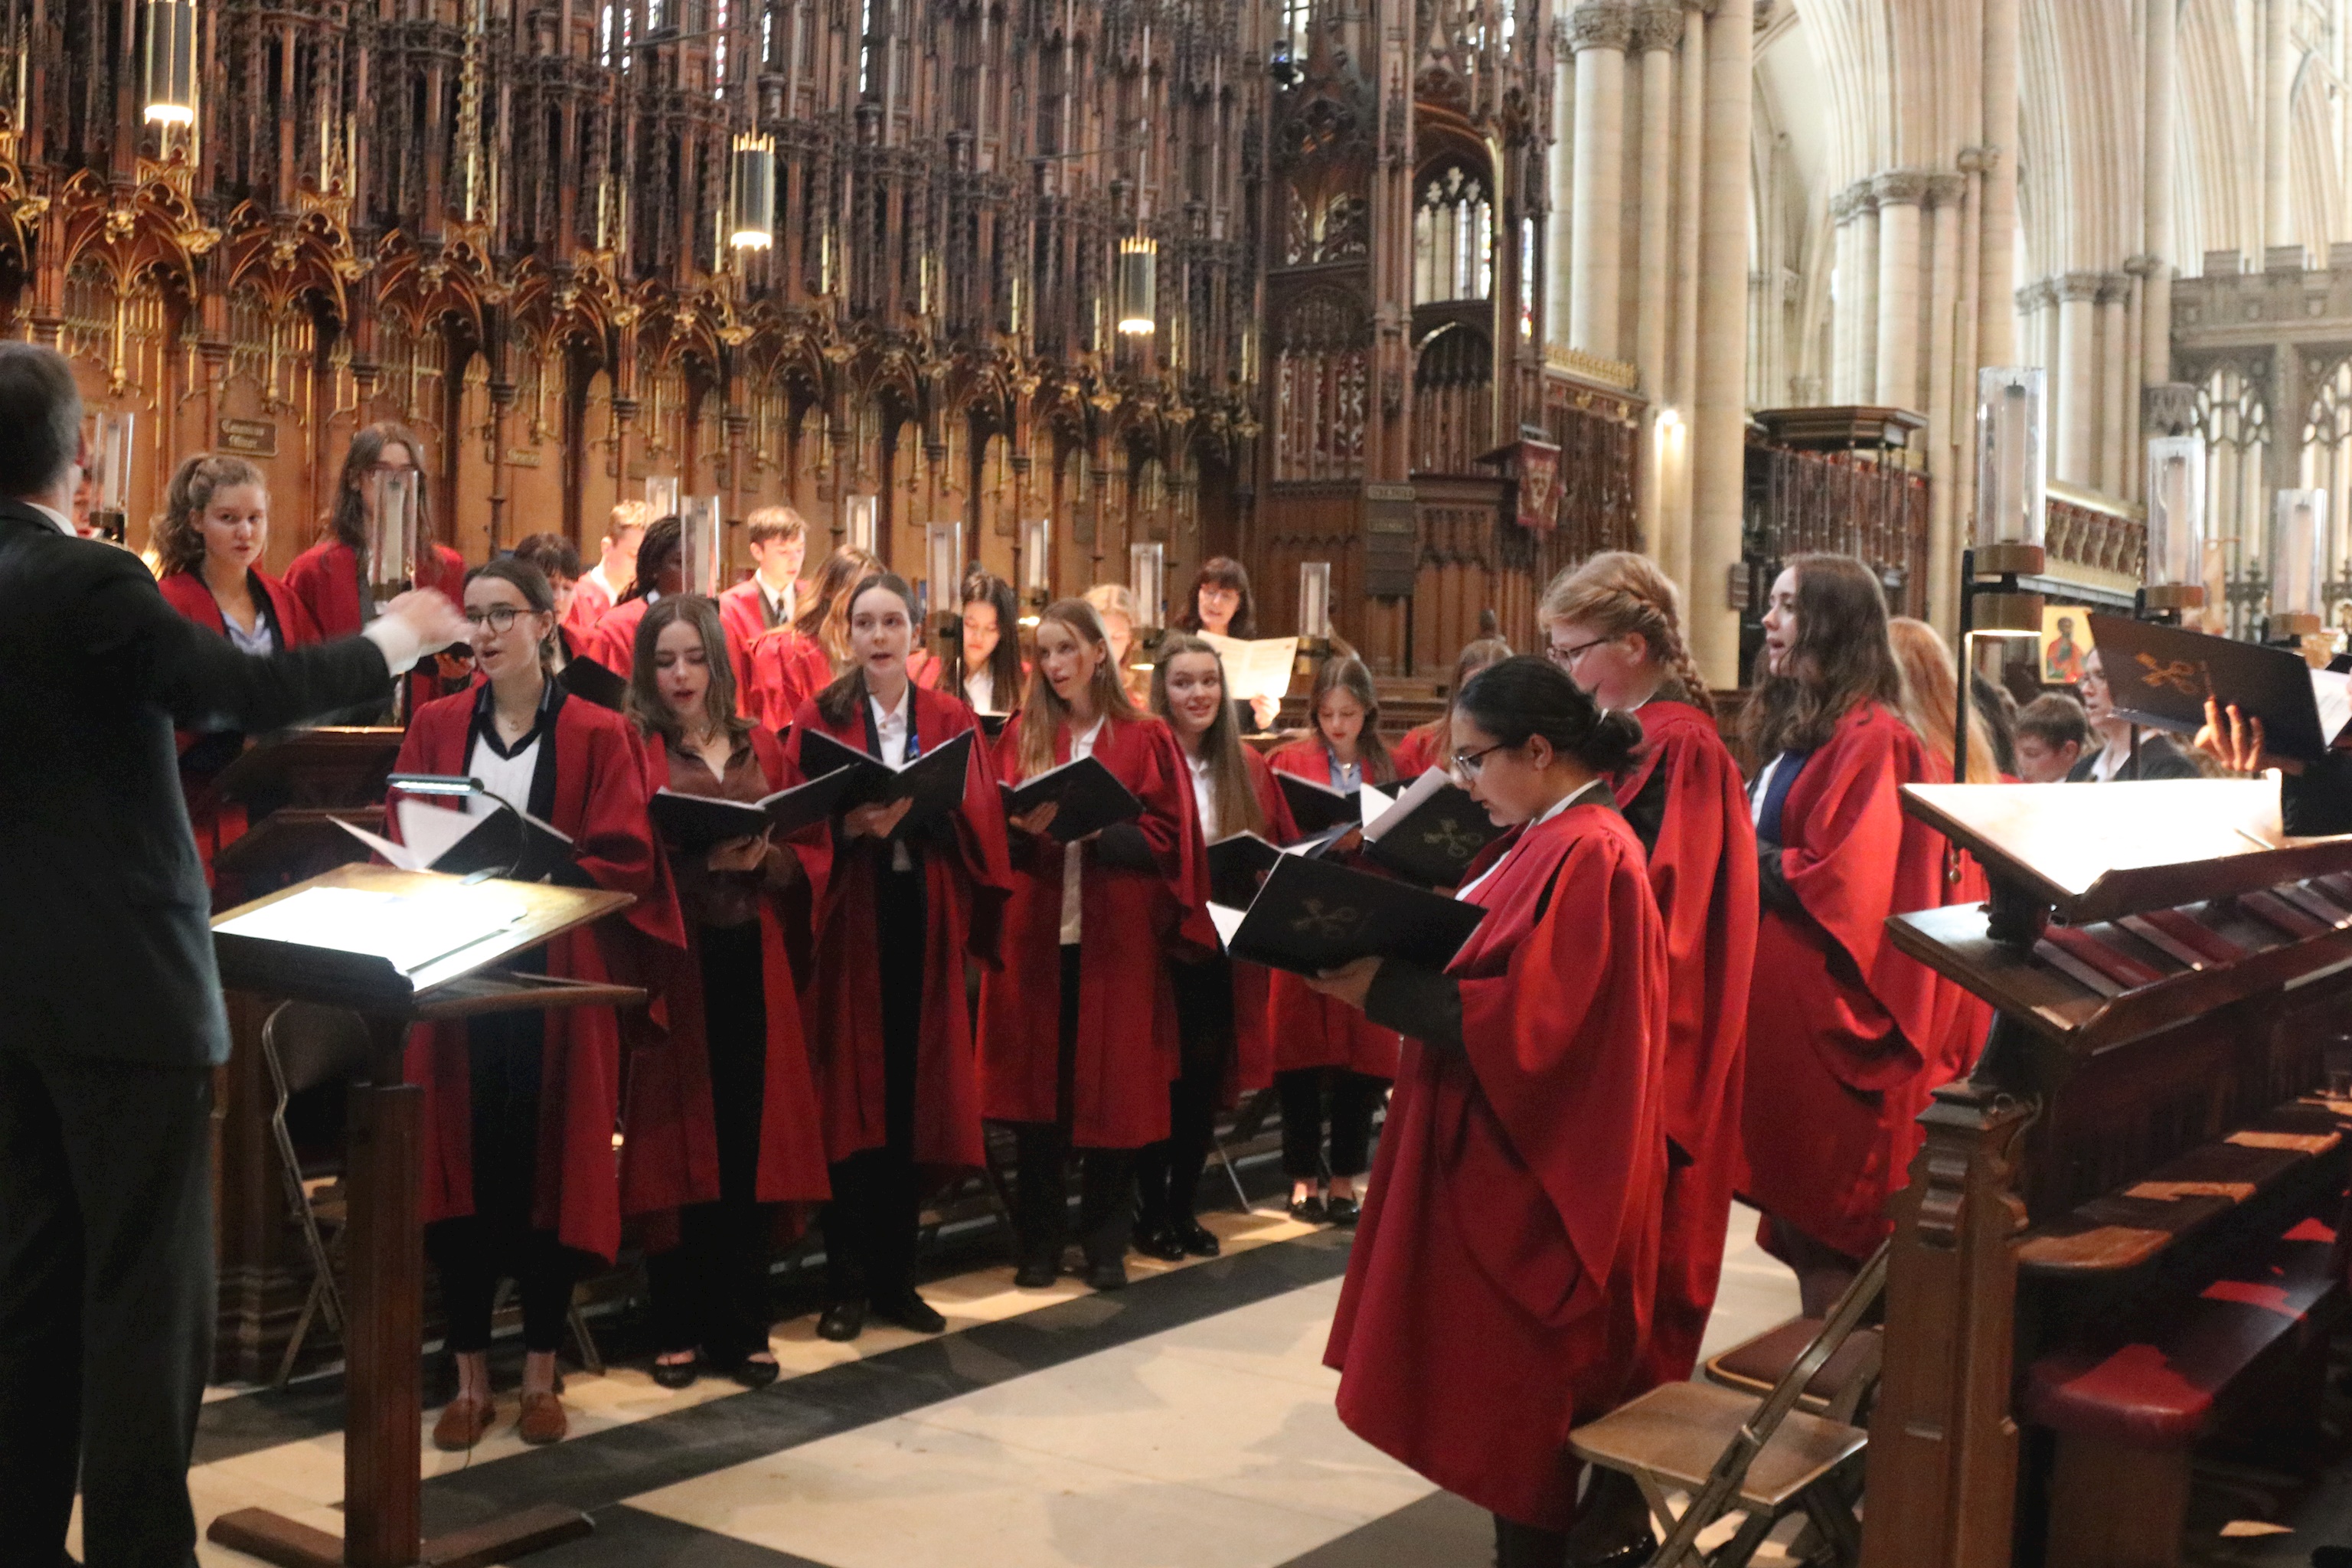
{"type": "Point", "coordinates": [1227, 1048]}
{"type": "Point", "coordinates": [887, 1021]}
{"type": "Point", "coordinates": [520, 1107]}
{"type": "Point", "coordinates": [1317, 1042]}
{"type": "Point", "coordinates": [1500, 1288]}
{"type": "Point", "coordinates": [1615, 625]}
{"type": "Point", "coordinates": [1078, 1037]}
{"type": "Point", "coordinates": [723, 1123]}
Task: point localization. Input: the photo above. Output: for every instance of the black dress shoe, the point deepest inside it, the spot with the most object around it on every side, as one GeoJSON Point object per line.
{"type": "Point", "coordinates": [1633, 1556]}
{"type": "Point", "coordinates": [677, 1374]}
{"type": "Point", "coordinates": [754, 1374]}
{"type": "Point", "coordinates": [1161, 1243]}
{"type": "Point", "coordinates": [842, 1322]}
{"type": "Point", "coordinates": [908, 1310]}
{"type": "Point", "coordinates": [1342, 1211]}
{"type": "Point", "coordinates": [1109, 1276]}
{"type": "Point", "coordinates": [1197, 1240]}
{"type": "Point", "coordinates": [1307, 1210]}
{"type": "Point", "coordinates": [1037, 1274]}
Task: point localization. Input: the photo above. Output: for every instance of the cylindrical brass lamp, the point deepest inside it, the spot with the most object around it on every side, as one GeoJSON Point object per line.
{"type": "Point", "coordinates": [172, 62]}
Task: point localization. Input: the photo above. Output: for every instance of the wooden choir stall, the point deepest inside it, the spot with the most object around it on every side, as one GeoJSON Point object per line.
{"type": "Point", "coordinates": [2119, 1239]}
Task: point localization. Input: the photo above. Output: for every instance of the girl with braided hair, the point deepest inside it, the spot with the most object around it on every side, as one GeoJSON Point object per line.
{"type": "Point", "coordinates": [1616, 626]}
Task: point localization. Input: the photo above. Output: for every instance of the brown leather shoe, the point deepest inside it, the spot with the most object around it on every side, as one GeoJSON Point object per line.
{"type": "Point", "coordinates": [543, 1420]}
{"type": "Point", "coordinates": [463, 1422]}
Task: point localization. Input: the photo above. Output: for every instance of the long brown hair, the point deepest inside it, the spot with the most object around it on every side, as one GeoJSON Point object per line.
{"type": "Point", "coordinates": [653, 715]}
{"type": "Point", "coordinates": [1222, 571]}
{"type": "Point", "coordinates": [349, 517]}
{"type": "Point", "coordinates": [1043, 712]}
{"type": "Point", "coordinates": [843, 699]}
{"type": "Point", "coordinates": [1931, 685]}
{"type": "Point", "coordinates": [179, 542]}
{"type": "Point", "coordinates": [1004, 664]}
{"type": "Point", "coordinates": [1237, 805]}
{"type": "Point", "coordinates": [1840, 659]}
{"type": "Point", "coordinates": [1345, 672]}
{"type": "Point", "coordinates": [1476, 655]}
{"type": "Point", "coordinates": [1618, 593]}
{"type": "Point", "coordinates": [825, 617]}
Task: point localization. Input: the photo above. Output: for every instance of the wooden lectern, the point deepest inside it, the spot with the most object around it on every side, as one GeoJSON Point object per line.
{"type": "Point", "coordinates": [2119, 1228]}
{"type": "Point", "coordinates": [495, 921]}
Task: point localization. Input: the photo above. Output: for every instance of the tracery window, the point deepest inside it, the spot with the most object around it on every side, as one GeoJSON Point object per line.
{"type": "Point", "coordinates": [1322, 378]}
{"type": "Point", "coordinates": [1453, 238]}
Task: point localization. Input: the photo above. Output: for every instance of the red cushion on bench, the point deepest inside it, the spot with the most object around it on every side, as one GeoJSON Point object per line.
{"type": "Point", "coordinates": [2156, 1390]}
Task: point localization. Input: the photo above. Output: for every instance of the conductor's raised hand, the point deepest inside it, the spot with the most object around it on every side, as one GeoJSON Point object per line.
{"type": "Point", "coordinates": [429, 613]}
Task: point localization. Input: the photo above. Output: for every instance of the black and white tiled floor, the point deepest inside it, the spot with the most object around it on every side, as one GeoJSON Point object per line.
{"type": "Point", "coordinates": [1186, 1423]}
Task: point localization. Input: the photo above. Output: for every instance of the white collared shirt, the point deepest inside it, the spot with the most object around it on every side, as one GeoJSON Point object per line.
{"type": "Point", "coordinates": [1073, 855]}
{"type": "Point", "coordinates": [980, 690]}
{"type": "Point", "coordinates": [891, 726]}
{"type": "Point", "coordinates": [1577, 797]}
{"type": "Point", "coordinates": [1205, 793]}
{"type": "Point", "coordinates": [778, 607]}
{"type": "Point", "coordinates": [58, 520]}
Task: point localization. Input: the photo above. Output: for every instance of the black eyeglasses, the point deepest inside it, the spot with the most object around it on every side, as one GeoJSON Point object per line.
{"type": "Point", "coordinates": [1470, 764]}
{"type": "Point", "coordinates": [499, 618]}
{"type": "Point", "coordinates": [1565, 656]}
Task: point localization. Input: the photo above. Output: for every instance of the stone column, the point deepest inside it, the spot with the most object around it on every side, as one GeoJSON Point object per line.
{"type": "Point", "coordinates": [1865, 292]}
{"type": "Point", "coordinates": [1997, 235]}
{"type": "Point", "coordinates": [1844, 327]}
{"type": "Point", "coordinates": [1945, 421]}
{"type": "Point", "coordinates": [1720, 417]}
{"type": "Point", "coordinates": [1599, 31]}
{"type": "Point", "coordinates": [2076, 378]}
{"type": "Point", "coordinates": [2277, 87]}
{"type": "Point", "coordinates": [1674, 550]}
{"type": "Point", "coordinates": [1657, 28]}
{"type": "Point", "coordinates": [1899, 192]}
{"type": "Point", "coordinates": [2114, 368]}
{"type": "Point", "coordinates": [2156, 201]}
{"type": "Point", "coordinates": [1559, 223]}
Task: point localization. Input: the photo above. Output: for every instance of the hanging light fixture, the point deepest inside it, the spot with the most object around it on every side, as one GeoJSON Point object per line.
{"type": "Point", "coordinates": [753, 224]}
{"type": "Point", "coordinates": [172, 62]}
{"type": "Point", "coordinates": [1139, 285]}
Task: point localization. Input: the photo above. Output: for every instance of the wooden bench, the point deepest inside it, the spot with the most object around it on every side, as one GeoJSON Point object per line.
{"type": "Point", "coordinates": [2127, 1400]}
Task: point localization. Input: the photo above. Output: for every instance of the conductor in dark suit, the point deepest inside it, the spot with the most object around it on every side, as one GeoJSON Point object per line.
{"type": "Point", "coordinates": [110, 1015]}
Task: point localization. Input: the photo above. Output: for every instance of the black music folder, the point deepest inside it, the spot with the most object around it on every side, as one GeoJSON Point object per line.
{"type": "Point", "coordinates": [1316, 915]}
{"type": "Point", "coordinates": [510, 841]}
{"type": "Point", "coordinates": [1317, 807]}
{"type": "Point", "coordinates": [1237, 864]}
{"type": "Point", "coordinates": [1430, 833]}
{"type": "Point", "coordinates": [993, 723]}
{"type": "Point", "coordinates": [2160, 677]}
{"type": "Point", "coordinates": [1090, 797]}
{"type": "Point", "coordinates": [697, 824]}
{"type": "Point", "coordinates": [934, 781]}
{"type": "Point", "coordinates": [584, 677]}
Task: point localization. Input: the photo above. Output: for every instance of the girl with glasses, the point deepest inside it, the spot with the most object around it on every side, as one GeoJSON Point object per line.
{"type": "Point", "coordinates": [520, 1107]}
{"type": "Point", "coordinates": [724, 1140]}
{"type": "Point", "coordinates": [1319, 1044]}
{"type": "Point", "coordinates": [1499, 1286]}
{"type": "Point", "coordinates": [1615, 627]}
{"type": "Point", "coordinates": [889, 1026]}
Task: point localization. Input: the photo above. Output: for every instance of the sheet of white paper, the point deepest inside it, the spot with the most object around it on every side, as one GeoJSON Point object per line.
{"type": "Point", "coordinates": [1371, 804]}
{"type": "Point", "coordinates": [2333, 692]}
{"type": "Point", "coordinates": [1405, 806]}
{"type": "Point", "coordinates": [431, 831]}
{"type": "Point", "coordinates": [1227, 920]}
{"type": "Point", "coordinates": [398, 855]}
{"type": "Point", "coordinates": [1254, 670]}
{"type": "Point", "coordinates": [409, 930]}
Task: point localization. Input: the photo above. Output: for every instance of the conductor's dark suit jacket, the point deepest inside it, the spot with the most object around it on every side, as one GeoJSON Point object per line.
{"type": "Point", "coordinates": [104, 945]}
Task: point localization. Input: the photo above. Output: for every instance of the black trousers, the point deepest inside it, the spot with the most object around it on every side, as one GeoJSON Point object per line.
{"type": "Point", "coordinates": [1167, 1174]}
{"type": "Point", "coordinates": [106, 1305]}
{"type": "Point", "coordinates": [1041, 1211]}
{"type": "Point", "coordinates": [1354, 1098]}
{"type": "Point", "coordinates": [871, 1224]}
{"type": "Point", "coordinates": [711, 1290]}
{"type": "Point", "coordinates": [473, 1252]}
{"type": "Point", "coordinates": [1520, 1545]}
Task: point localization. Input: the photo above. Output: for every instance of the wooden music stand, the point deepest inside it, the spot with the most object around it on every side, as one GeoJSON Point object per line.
{"type": "Point", "coordinates": [329, 765]}
{"type": "Point", "coordinates": [383, 1424]}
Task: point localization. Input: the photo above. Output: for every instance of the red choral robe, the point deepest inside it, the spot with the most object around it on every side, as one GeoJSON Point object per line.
{"type": "Point", "coordinates": [590, 600]}
{"type": "Point", "coordinates": [1418, 753]}
{"type": "Point", "coordinates": [600, 801]}
{"type": "Point", "coordinates": [1252, 1067]}
{"type": "Point", "coordinates": [1127, 1051]}
{"type": "Point", "coordinates": [1310, 1029]}
{"type": "Point", "coordinates": [1499, 1289]}
{"type": "Point", "coordinates": [218, 824]}
{"type": "Point", "coordinates": [743, 615]}
{"type": "Point", "coordinates": [614, 643]}
{"type": "Point", "coordinates": [670, 1156]}
{"type": "Point", "coordinates": [783, 670]}
{"type": "Point", "coordinates": [1834, 1067]}
{"type": "Point", "coordinates": [325, 578]}
{"type": "Point", "coordinates": [963, 895]}
{"type": "Point", "coordinates": [1703, 872]}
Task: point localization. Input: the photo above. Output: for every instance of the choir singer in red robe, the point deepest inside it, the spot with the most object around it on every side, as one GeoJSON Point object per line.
{"type": "Point", "coordinates": [1615, 625]}
{"type": "Point", "coordinates": [1221, 1022]}
{"type": "Point", "coordinates": [723, 1131]}
{"type": "Point", "coordinates": [1838, 1036]}
{"type": "Point", "coordinates": [660, 572]}
{"type": "Point", "coordinates": [1078, 1039]}
{"type": "Point", "coordinates": [885, 1009]}
{"type": "Point", "coordinates": [517, 1154]}
{"type": "Point", "coordinates": [1499, 1291]}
